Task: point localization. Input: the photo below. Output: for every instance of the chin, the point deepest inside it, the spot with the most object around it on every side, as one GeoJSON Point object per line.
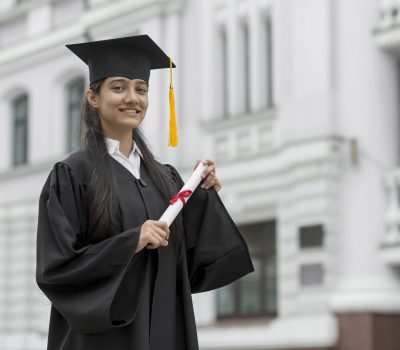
{"type": "Point", "coordinates": [131, 126]}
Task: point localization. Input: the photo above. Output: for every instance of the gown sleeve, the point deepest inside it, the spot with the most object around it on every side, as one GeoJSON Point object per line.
{"type": "Point", "coordinates": [82, 281]}
{"type": "Point", "coordinates": [217, 254]}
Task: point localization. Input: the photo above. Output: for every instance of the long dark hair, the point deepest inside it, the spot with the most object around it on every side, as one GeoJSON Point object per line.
{"type": "Point", "coordinates": [104, 217]}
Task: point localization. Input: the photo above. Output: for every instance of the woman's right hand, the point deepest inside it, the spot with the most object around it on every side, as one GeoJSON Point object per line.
{"type": "Point", "coordinates": [152, 235]}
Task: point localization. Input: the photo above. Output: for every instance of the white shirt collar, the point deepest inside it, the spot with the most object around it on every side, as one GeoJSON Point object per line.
{"type": "Point", "coordinates": [113, 147]}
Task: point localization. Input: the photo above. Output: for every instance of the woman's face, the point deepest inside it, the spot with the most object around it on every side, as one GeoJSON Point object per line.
{"type": "Point", "coordinates": [122, 103]}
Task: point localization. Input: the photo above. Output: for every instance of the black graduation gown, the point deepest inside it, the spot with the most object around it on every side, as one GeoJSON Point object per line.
{"type": "Point", "coordinates": [106, 297]}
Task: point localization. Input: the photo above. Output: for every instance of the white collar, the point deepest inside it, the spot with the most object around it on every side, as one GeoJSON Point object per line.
{"type": "Point", "coordinates": [113, 146]}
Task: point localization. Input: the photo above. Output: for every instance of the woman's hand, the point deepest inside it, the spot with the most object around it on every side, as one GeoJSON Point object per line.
{"type": "Point", "coordinates": [210, 176]}
{"type": "Point", "coordinates": [152, 235]}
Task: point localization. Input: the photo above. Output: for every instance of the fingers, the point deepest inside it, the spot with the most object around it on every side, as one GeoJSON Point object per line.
{"type": "Point", "coordinates": [152, 235]}
{"type": "Point", "coordinates": [212, 182]}
{"type": "Point", "coordinates": [210, 177]}
{"type": "Point", "coordinates": [209, 173]}
{"type": "Point", "coordinates": [158, 239]}
{"type": "Point", "coordinates": [163, 226]}
{"type": "Point", "coordinates": [154, 241]}
{"type": "Point", "coordinates": [209, 181]}
{"type": "Point", "coordinates": [156, 233]}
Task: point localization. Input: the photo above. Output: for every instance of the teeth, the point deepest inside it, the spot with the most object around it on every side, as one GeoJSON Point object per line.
{"type": "Point", "coordinates": [130, 111]}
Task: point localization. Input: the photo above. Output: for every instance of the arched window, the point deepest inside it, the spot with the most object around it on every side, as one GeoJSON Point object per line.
{"type": "Point", "coordinates": [20, 132]}
{"type": "Point", "coordinates": [74, 96]}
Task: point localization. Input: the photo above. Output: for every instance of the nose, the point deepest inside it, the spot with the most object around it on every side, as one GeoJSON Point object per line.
{"type": "Point", "coordinates": [131, 96]}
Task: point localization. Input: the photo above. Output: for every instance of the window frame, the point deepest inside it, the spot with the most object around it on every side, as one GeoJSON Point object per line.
{"type": "Point", "coordinates": [70, 105]}
{"type": "Point", "coordinates": [20, 121]}
{"type": "Point", "coordinates": [223, 68]}
{"type": "Point", "coordinates": [263, 255]}
{"type": "Point", "coordinates": [268, 31]}
{"type": "Point", "coordinates": [245, 66]}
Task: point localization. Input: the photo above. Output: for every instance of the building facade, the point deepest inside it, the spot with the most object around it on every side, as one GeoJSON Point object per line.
{"type": "Point", "coordinates": [295, 100]}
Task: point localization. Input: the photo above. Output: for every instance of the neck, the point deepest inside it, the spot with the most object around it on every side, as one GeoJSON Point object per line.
{"type": "Point", "coordinates": [125, 141]}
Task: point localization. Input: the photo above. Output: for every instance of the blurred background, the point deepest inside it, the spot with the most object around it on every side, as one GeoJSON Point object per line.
{"type": "Point", "coordinates": [297, 101]}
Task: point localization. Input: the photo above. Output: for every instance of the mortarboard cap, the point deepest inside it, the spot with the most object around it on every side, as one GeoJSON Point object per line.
{"type": "Point", "coordinates": [131, 57]}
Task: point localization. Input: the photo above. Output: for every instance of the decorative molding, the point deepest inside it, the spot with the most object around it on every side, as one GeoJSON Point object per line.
{"type": "Point", "coordinates": [43, 46]}
{"type": "Point", "coordinates": [17, 11]}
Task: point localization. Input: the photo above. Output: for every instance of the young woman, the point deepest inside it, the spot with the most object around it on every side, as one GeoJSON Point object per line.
{"type": "Point", "coordinates": [117, 277]}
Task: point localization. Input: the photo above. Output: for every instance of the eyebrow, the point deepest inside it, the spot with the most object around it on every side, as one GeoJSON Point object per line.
{"type": "Point", "coordinates": [117, 80]}
{"type": "Point", "coordinates": [125, 80]}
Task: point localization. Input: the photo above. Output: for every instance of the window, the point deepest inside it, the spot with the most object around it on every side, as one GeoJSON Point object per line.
{"type": "Point", "coordinates": [245, 68]}
{"type": "Point", "coordinates": [311, 236]}
{"type": "Point", "coordinates": [311, 274]}
{"type": "Point", "coordinates": [74, 92]}
{"type": "Point", "coordinates": [223, 47]}
{"type": "Point", "coordinates": [20, 139]}
{"type": "Point", "coordinates": [255, 294]}
{"type": "Point", "coordinates": [268, 61]}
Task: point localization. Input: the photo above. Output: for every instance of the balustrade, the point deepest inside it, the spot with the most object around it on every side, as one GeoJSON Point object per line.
{"type": "Point", "coordinates": [393, 212]}
{"type": "Point", "coordinates": [389, 13]}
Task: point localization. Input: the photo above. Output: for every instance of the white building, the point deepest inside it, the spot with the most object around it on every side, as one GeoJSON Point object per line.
{"type": "Point", "coordinates": [296, 100]}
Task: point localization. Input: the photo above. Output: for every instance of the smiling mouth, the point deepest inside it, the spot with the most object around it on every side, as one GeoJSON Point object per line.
{"type": "Point", "coordinates": [130, 111]}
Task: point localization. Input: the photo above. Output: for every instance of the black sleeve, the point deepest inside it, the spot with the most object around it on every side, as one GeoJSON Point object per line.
{"type": "Point", "coordinates": [82, 281]}
{"type": "Point", "coordinates": [217, 254]}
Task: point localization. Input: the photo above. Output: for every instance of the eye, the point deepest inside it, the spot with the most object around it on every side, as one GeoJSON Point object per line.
{"type": "Point", "coordinates": [142, 90]}
{"type": "Point", "coordinates": [117, 88]}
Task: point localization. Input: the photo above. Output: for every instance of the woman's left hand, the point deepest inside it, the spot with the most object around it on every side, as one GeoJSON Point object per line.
{"type": "Point", "coordinates": [209, 175]}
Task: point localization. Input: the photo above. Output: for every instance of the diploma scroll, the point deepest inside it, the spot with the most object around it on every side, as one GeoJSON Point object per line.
{"type": "Point", "coordinates": [178, 201]}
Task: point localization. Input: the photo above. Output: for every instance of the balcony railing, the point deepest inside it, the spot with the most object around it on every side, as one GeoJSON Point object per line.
{"type": "Point", "coordinates": [391, 242]}
{"type": "Point", "coordinates": [389, 13]}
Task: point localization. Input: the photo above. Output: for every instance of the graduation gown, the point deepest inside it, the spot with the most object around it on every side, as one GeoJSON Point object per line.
{"type": "Point", "coordinates": [103, 295]}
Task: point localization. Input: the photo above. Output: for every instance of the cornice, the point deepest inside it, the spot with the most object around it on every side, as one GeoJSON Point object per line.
{"type": "Point", "coordinates": [41, 47]}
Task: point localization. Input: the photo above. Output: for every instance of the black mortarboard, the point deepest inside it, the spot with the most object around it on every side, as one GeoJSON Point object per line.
{"type": "Point", "coordinates": [131, 57]}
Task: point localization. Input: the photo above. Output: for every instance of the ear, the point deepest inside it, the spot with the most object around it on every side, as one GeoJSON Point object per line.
{"type": "Point", "coordinates": [92, 98]}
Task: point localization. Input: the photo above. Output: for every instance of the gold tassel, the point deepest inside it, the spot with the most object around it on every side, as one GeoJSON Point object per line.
{"type": "Point", "coordinates": [173, 128]}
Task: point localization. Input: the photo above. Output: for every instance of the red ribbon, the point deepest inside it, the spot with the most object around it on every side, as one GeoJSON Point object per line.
{"type": "Point", "coordinates": [181, 196]}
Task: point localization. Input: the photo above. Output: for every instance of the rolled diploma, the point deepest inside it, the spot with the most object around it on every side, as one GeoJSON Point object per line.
{"type": "Point", "coordinates": [173, 210]}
